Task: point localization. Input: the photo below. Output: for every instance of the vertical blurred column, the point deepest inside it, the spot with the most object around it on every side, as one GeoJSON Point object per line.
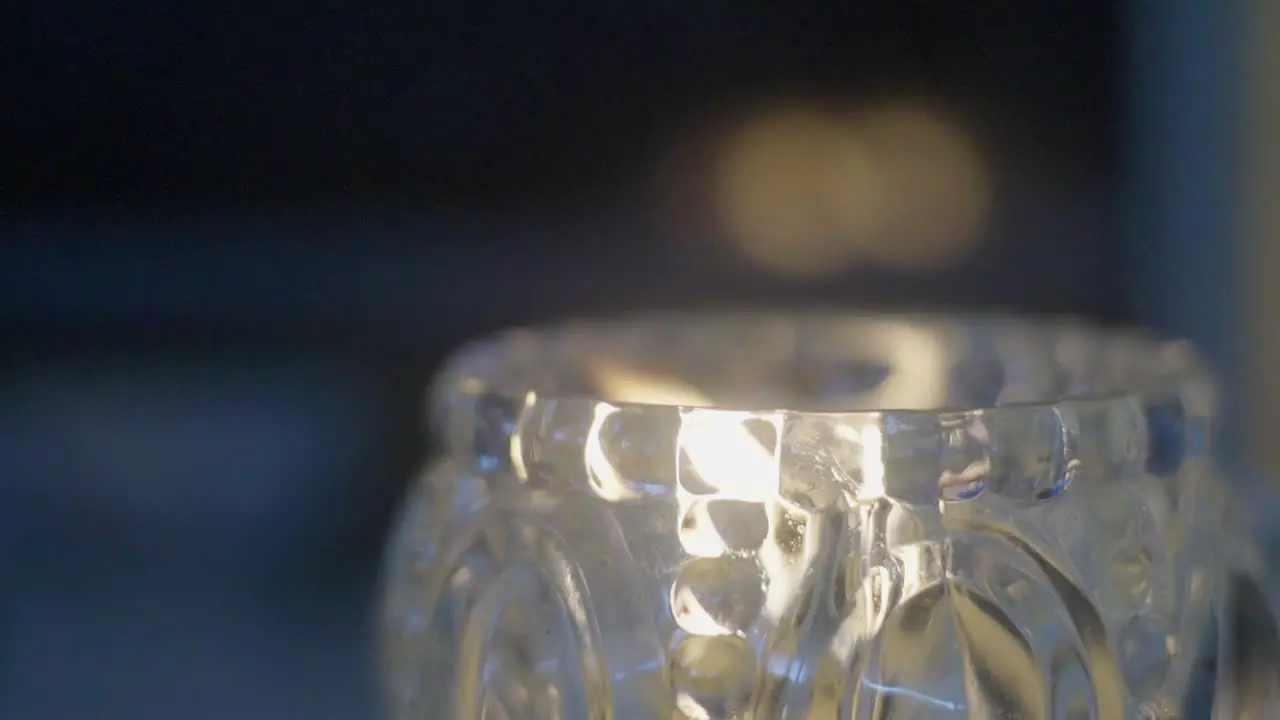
{"type": "Point", "coordinates": [1260, 294]}
{"type": "Point", "coordinates": [1182, 204]}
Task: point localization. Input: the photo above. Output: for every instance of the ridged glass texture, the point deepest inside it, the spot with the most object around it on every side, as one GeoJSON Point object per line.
{"type": "Point", "coordinates": [809, 517]}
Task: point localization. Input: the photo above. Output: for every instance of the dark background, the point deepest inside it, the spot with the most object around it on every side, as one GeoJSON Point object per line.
{"type": "Point", "coordinates": [238, 241]}
{"type": "Point", "coordinates": [478, 106]}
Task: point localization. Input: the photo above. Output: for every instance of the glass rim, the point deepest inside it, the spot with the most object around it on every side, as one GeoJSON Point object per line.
{"type": "Point", "coordinates": [488, 404]}
{"type": "Point", "coordinates": [484, 367]}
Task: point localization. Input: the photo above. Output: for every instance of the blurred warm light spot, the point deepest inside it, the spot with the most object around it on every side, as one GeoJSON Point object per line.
{"type": "Point", "coordinates": [790, 187]}
{"type": "Point", "coordinates": [809, 193]}
{"type": "Point", "coordinates": [937, 193]}
{"type": "Point", "coordinates": [623, 384]}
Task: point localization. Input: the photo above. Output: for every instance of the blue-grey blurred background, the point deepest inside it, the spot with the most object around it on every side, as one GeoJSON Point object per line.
{"type": "Point", "coordinates": [238, 239]}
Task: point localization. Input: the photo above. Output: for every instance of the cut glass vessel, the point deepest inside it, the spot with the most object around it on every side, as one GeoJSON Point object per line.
{"type": "Point", "coordinates": [813, 516]}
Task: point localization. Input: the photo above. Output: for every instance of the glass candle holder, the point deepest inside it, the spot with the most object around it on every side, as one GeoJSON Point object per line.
{"type": "Point", "coordinates": [757, 517]}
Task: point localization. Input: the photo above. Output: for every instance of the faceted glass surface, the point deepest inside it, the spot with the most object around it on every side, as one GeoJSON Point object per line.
{"type": "Point", "coordinates": [810, 517]}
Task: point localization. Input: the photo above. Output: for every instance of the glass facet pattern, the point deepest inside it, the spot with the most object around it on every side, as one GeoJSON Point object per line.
{"type": "Point", "coordinates": [820, 517]}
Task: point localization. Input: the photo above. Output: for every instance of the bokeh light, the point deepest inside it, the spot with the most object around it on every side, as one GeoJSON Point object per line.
{"type": "Point", "coordinates": [807, 192]}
